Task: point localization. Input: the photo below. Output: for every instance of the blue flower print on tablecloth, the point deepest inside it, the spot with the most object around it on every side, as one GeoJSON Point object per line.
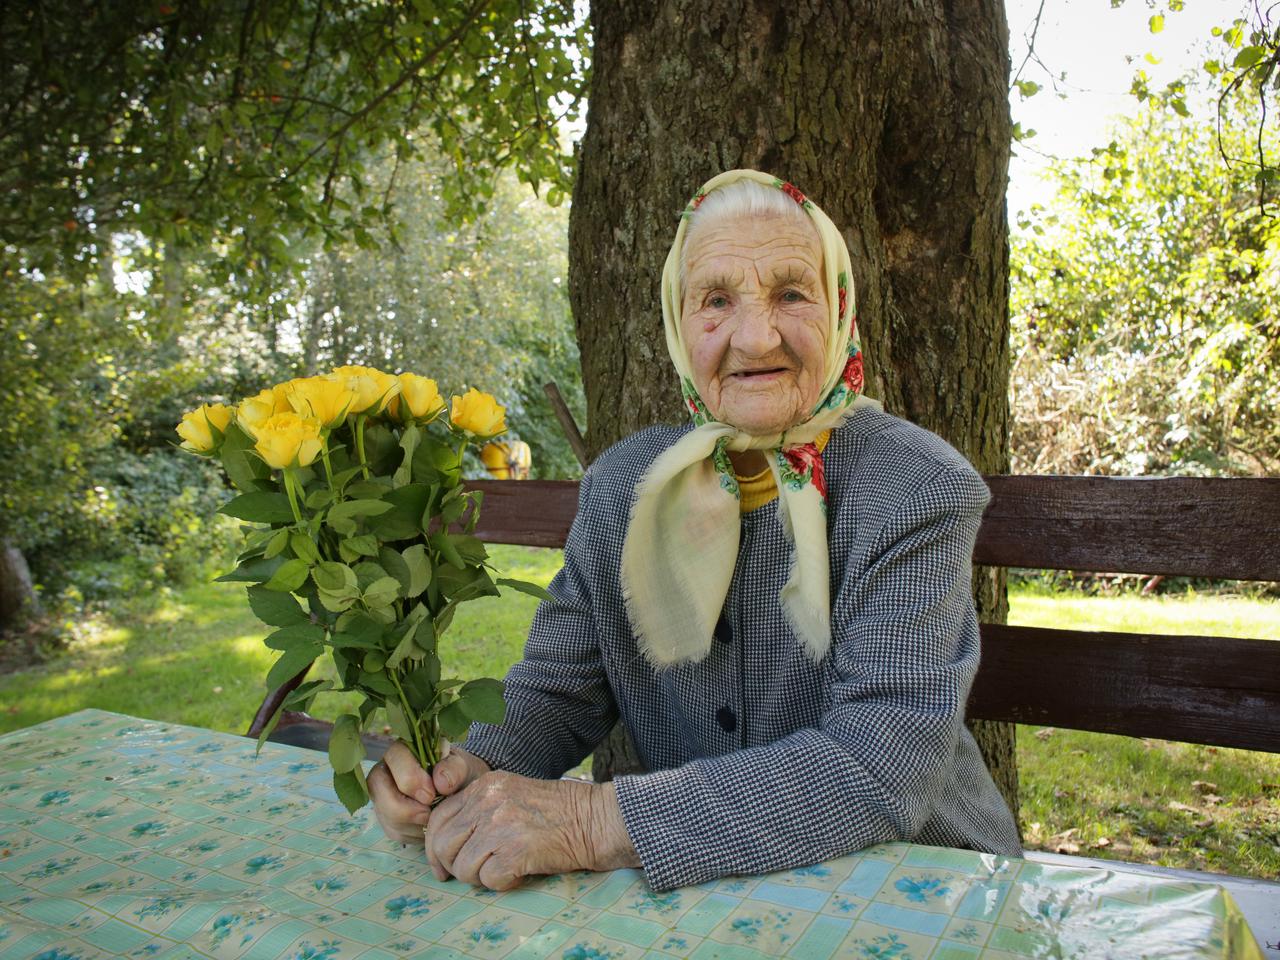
{"type": "Point", "coordinates": [149, 828]}
{"type": "Point", "coordinates": [490, 931]}
{"type": "Point", "coordinates": [263, 862]}
{"type": "Point", "coordinates": [162, 906]}
{"type": "Point", "coordinates": [646, 901]}
{"type": "Point", "coordinates": [56, 953]}
{"type": "Point", "coordinates": [924, 889]}
{"type": "Point", "coordinates": [398, 908]}
{"type": "Point", "coordinates": [884, 947]}
{"type": "Point", "coordinates": [590, 951]}
{"type": "Point", "coordinates": [323, 951]}
{"type": "Point", "coordinates": [51, 868]}
{"type": "Point", "coordinates": [768, 930]}
{"type": "Point", "coordinates": [54, 797]}
{"type": "Point", "coordinates": [330, 883]}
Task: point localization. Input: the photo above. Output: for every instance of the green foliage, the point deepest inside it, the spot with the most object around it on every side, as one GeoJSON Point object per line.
{"type": "Point", "coordinates": [1144, 309]}
{"type": "Point", "coordinates": [207, 123]}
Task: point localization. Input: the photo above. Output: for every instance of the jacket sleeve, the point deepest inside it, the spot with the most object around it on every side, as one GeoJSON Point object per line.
{"type": "Point", "coordinates": [904, 652]}
{"type": "Point", "coordinates": [559, 704]}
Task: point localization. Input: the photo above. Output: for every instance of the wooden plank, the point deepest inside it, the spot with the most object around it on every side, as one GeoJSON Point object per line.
{"type": "Point", "coordinates": [1222, 691]}
{"type": "Point", "coordinates": [1181, 526]}
{"type": "Point", "coordinates": [532, 513]}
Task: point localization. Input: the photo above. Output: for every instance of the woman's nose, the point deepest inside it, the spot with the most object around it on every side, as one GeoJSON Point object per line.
{"type": "Point", "coordinates": [756, 333]}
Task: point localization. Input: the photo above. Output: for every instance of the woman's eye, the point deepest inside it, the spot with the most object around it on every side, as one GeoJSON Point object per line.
{"type": "Point", "coordinates": [792, 296]}
{"type": "Point", "coordinates": [717, 300]}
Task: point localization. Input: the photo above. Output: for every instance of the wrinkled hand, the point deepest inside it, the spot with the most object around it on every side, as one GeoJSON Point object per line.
{"type": "Point", "coordinates": [504, 827]}
{"type": "Point", "coordinates": [402, 792]}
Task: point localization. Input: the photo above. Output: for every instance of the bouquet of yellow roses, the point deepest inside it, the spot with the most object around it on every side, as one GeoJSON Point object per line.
{"type": "Point", "coordinates": [359, 542]}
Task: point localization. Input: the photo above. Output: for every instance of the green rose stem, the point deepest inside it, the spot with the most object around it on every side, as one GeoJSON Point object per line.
{"type": "Point", "coordinates": [289, 481]}
{"type": "Point", "coordinates": [324, 455]}
{"type": "Point", "coordinates": [425, 757]}
{"type": "Point", "coordinates": [364, 463]}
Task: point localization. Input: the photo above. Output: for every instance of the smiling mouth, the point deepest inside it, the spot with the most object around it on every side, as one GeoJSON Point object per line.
{"type": "Point", "coordinates": [750, 376]}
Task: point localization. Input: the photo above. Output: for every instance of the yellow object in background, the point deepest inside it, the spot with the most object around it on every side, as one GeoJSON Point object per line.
{"type": "Point", "coordinates": [509, 460]}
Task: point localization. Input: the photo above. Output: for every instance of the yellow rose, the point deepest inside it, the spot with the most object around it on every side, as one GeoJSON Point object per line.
{"type": "Point", "coordinates": [373, 389]}
{"type": "Point", "coordinates": [196, 428]}
{"type": "Point", "coordinates": [288, 440]}
{"type": "Point", "coordinates": [508, 460]}
{"type": "Point", "coordinates": [478, 413]}
{"type": "Point", "coordinates": [251, 413]}
{"type": "Point", "coordinates": [323, 398]}
{"type": "Point", "coordinates": [421, 397]}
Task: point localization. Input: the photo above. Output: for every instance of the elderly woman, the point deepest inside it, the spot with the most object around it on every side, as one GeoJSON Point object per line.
{"type": "Point", "coordinates": [775, 601]}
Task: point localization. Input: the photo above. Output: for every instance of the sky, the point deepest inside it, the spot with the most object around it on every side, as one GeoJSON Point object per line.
{"type": "Point", "coordinates": [1094, 44]}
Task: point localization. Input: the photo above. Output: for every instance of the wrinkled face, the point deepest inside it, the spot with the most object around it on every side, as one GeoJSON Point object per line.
{"type": "Point", "coordinates": [754, 318]}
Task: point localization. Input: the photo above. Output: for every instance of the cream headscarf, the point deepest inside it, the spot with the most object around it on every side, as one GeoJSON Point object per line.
{"type": "Point", "coordinates": [682, 543]}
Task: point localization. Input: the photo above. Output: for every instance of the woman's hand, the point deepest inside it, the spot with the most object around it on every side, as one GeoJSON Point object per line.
{"type": "Point", "coordinates": [402, 792]}
{"type": "Point", "coordinates": [504, 827]}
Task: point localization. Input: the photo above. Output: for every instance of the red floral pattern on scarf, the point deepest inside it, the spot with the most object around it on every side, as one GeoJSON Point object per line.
{"type": "Point", "coordinates": [794, 194]}
{"type": "Point", "coordinates": [806, 461]}
{"type": "Point", "coordinates": [852, 375]}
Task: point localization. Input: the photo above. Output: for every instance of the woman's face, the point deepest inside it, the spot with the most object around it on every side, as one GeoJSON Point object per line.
{"type": "Point", "coordinates": [754, 318]}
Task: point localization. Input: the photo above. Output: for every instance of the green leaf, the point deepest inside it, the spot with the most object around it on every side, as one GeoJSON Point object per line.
{"type": "Point", "coordinates": [419, 564]}
{"type": "Point", "coordinates": [482, 700]}
{"type": "Point", "coordinates": [393, 563]}
{"type": "Point", "coordinates": [398, 722]}
{"type": "Point", "coordinates": [304, 547]}
{"type": "Point", "coordinates": [442, 543]}
{"type": "Point", "coordinates": [346, 749]}
{"type": "Point", "coordinates": [334, 577]}
{"type": "Point", "coordinates": [291, 663]}
{"type": "Point", "coordinates": [270, 727]}
{"type": "Point", "coordinates": [288, 637]}
{"type": "Point", "coordinates": [404, 649]}
{"type": "Point", "coordinates": [1247, 57]}
{"type": "Point", "coordinates": [304, 693]}
{"type": "Point", "coordinates": [277, 543]}
{"type": "Point", "coordinates": [524, 586]}
{"type": "Point", "coordinates": [374, 661]}
{"type": "Point", "coordinates": [471, 549]}
{"type": "Point", "coordinates": [362, 628]}
{"type": "Point", "coordinates": [275, 609]}
{"type": "Point", "coordinates": [420, 683]}
{"type": "Point", "coordinates": [381, 592]}
{"type": "Point", "coordinates": [408, 443]}
{"type": "Point", "coordinates": [291, 575]}
{"type": "Point", "coordinates": [351, 788]}
{"type": "Point", "coordinates": [244, 468]}
{"type": "Point", "coordinates": [402, 521]}
{"type": "Point", "coordinates": [320, 497]}
{"type": "Point", "coordinates": [453, 721]}
{"type": "Point", "coordinates": [425, 636]}
{"type": "Point", "coordinates": [358, 508]}
{"type": "Point", "coordinates": [373, 489]}
{"type": "Point", "coordinates": [252, 571]}
{"type": "Point", "coordinates": [259, 508]}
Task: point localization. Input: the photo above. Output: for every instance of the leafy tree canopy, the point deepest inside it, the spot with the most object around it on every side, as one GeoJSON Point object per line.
{"type": "Point", "coordinates": [1144, 305]}
{"type": "Point", "coordinates": [251, 123]}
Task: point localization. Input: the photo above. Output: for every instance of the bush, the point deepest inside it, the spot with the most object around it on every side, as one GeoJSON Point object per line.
{"type": "Point", "coordinates": [149, 521]}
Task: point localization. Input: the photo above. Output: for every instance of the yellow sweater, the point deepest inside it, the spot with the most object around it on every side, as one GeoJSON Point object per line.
{"type": "Point", "coordinates": [760, 489]}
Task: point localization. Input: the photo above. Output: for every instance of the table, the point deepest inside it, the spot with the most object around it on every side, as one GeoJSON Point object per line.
{"type": "Point", "coordinates": [122, 837]}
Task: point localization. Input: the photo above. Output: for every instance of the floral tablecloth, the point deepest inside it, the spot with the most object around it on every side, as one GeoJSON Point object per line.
{"type": "Point", "coordinates": [131, 838]}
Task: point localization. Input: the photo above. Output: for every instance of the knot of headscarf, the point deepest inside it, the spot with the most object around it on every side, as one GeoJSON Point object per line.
{"type": "Point", "coordinates": [682, 541]}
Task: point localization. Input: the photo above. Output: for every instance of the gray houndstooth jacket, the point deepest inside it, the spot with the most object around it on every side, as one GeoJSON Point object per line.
{"type": "Point", "coordinates": [762, 759]}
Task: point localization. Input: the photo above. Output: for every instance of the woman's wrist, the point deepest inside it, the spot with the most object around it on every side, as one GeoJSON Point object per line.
{"type": "Point", "coordinates": [611, 845]}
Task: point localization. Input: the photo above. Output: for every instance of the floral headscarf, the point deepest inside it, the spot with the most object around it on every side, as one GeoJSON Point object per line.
{"type": "Point", "coordinates": [682, 542]}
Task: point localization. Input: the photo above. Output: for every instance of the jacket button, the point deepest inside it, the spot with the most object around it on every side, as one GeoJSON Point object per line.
{"type": "Point", "coordinates": [728, 722]}
{"type": "Point", "coordinates": [723, 632]}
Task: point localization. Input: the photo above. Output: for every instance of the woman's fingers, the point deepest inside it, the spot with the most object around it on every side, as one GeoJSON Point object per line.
{"type": "Point", "coordinates": [402, 818]}
{"type": "Point", "coordinates": [457, 770]}
{"type": "Point", "coordinates": [410, 779]}
{"type": "Point", "coordinates": [450, 829]}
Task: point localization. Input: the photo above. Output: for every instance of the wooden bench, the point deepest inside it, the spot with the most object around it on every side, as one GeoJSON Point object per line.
{"type": "Point", "coordinates": [1220, 691]}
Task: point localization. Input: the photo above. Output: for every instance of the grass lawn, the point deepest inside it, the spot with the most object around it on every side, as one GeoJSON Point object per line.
{"type": "Point", "coordinates": [195, 656]}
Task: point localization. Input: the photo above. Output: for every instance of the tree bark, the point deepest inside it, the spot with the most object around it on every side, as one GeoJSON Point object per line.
{"type": "Point", "coordinates": [894, 117]}
{"type": "Point", "coordinates": [18, 597]}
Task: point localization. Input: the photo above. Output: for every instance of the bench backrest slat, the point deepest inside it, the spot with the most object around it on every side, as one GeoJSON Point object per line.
{"type": "Point", "coordinates": [1212, 690]}
{"type": "Point", "coordinates": [1211, 527]}
{"type": "Point", "coordinates": [1222, 691]}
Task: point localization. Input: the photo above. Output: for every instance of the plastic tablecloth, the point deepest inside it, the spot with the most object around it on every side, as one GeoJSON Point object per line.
{"type": "Point", "coordinates": [122, 837]}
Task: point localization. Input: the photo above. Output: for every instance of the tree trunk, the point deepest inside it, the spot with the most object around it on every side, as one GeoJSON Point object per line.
{"type": "Point", "coordinates": [893, 116]}
{"type": "Point", "coordinates": [18, 598]}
